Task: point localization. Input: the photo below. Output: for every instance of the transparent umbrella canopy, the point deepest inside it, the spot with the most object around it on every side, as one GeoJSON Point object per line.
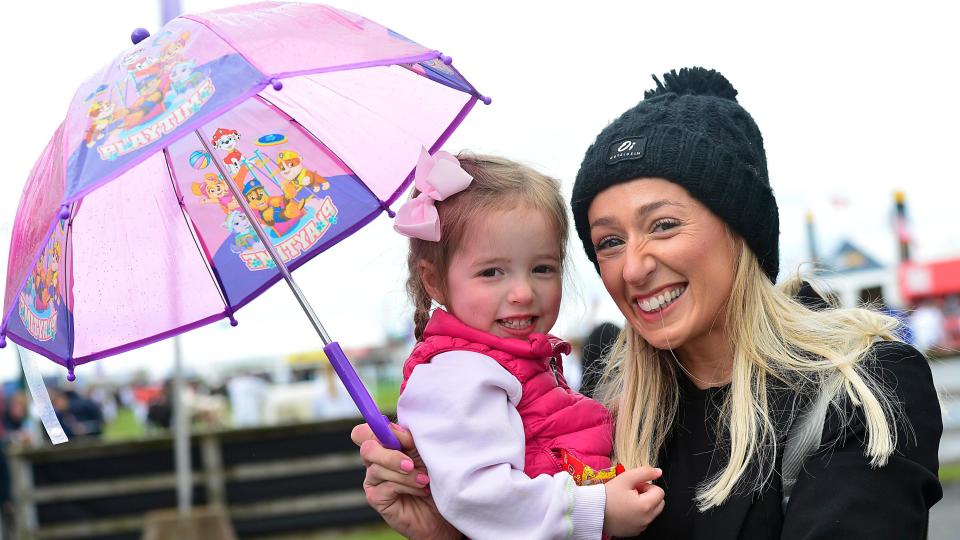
{"type": "Point", "coordinates": [207, 162]}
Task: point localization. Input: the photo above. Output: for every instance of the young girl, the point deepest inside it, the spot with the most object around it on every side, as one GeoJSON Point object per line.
{"type": "Point", "coordinates": [483, 393]}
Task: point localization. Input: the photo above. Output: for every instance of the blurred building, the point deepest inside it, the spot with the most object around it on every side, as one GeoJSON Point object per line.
{"type": "Point", "coordinates": [924, 295]}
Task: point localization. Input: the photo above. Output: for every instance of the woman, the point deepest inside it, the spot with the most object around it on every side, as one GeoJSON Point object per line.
{"type": "Point", "coordinates": [716, 365]}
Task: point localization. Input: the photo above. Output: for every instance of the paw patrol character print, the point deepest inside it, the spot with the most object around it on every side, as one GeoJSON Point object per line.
{"type": "Point", "coordinates": [140, 65]}
{"type": "Point", "coordinates": [227, 140]}
{"type": "Point", "coordinates": [39, 301]}
{"type": "Point", "coordinates": [300, 183]}
{"type": "Point", "coordinates": [172, 52]}
{"type": "Point", "coordinates": [44, 283]}
{"type": "Point", "coordinates": [148, 105]}
{"type": "Point", "coordinates": [244, 237]}
{"type": "Point", "coordinates": [213, 189]}
{"type": "Point", "coordinates": [183, 78]}
{"type": "Point", "coordinates": [103, 115]}
{"type": "Point", "coordinates": [275, 212]}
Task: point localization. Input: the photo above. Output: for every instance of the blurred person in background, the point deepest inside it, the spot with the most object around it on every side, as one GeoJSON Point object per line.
{"type": "Point", "coordinates": [926, 324]}
{"type": "Point", "coordinates": [595, 349]}
{"type": "Point", "coordinates": [247, 392]}
{"type": "Point", "coordinates": [85, 412]}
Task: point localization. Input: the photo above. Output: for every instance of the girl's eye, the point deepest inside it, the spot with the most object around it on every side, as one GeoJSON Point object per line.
{"type": "Point", "coordinates": [489, 272]}
{"type": "Point", "coordinates": [544, 269]}
{"type": "Point", "coordinates": [607, 243]}
{"type": "Point", "coordinates": [663, 225]}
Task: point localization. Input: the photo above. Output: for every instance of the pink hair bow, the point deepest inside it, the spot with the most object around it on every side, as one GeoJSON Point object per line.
{"type": "Point", "coordinates": [436, 177]}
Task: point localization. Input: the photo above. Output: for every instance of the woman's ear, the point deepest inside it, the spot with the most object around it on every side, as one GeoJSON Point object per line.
{"type": "Point", "coordinates": [430, 279]}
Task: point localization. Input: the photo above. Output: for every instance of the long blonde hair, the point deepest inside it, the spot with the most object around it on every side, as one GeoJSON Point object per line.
{"type": "Point", "coordinates": [498, 184]}
{"type": "Point", "coordinates": [775, 339]}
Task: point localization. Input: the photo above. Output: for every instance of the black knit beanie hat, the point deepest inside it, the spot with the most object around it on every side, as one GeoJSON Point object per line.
{"type": "Point", "coordinates": [689, 130]}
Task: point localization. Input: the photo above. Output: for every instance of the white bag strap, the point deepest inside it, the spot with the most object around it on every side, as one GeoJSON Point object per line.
{"type": "Point", "coordinates": [805, 436]}
{"type": "Point", "coordinates": [41, 399]}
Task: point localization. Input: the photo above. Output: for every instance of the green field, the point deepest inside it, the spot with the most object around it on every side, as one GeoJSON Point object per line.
{"type": "Point", "coordinates": [950, 473]}
{"type": "Point", "coordinates": [379, 532]}
{"type": "Point", "coordinates": [124, 427]}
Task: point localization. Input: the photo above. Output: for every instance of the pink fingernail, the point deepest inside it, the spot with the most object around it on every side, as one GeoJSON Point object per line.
{"type": "Point", "coordinates": [423, 479]}
{"type": "Point", "coordinates": [406, 465]}
{"type": "Point", "coordinates": [398, 427]}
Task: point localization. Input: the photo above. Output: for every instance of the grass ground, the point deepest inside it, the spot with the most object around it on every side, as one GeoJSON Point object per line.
{"type": "Point", "coordinates": [377, 532]}
{"type": "Point", "coordinates": [950, 473]}
{"type": "Point", "coordinates": [124, 427]}
{"type": "Point", "coordinates": [386, 395]}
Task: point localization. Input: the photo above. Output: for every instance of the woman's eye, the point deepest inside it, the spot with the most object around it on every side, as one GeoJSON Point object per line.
{"type": "Point", "coordinates": [663, 225]}
{"type": "Point", "coordinates": [607, 243]}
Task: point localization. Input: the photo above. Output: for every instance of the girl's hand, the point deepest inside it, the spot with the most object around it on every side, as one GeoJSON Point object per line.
{"type": "Point", "coordinates": [632, 502]}
{"type": "Point", "coordinates": [396, 486]}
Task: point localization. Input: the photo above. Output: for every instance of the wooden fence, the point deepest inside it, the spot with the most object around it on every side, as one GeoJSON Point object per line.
{"type": "Point", "coordinates": [270, 479]}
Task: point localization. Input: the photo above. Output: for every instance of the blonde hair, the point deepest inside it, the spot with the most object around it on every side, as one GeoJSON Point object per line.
{"type": "Point", "coordinates": [775, 339]}
{"type": "Point", "coordinates": [498, 184]}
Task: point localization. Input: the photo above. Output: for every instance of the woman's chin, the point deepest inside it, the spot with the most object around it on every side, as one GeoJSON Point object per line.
{"type": "Point", "coordinates": [661, 340]}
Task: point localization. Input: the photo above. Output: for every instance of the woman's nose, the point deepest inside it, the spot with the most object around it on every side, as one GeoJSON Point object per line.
{"type": "Point", "coordinates": [639, 265]}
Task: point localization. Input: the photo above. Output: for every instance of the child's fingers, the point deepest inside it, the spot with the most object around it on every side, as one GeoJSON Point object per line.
{"type": "Point", "coordinates": [651, 500]}
{"type": "Point", "coordinates": [640, 475]}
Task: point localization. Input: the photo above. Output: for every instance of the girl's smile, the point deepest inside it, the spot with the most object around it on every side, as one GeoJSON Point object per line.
{"type": "Point", "coordinates": [505, 278]}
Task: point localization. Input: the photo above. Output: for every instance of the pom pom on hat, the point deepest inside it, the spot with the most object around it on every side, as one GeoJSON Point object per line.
{"type": "Point", "coordinates": [696, 81]}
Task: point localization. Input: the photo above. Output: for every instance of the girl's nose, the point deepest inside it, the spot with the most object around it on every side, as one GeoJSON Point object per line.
{"type": "Point", "coordinates": [520, 292]}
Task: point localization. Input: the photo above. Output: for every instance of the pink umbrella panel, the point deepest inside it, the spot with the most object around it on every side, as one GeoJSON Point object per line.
{"type": "Point", "coordinates": [130, 229]}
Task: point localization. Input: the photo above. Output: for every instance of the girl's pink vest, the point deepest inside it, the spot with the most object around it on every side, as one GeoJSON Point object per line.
{"type": "Point", "coordinates": [554, 417]}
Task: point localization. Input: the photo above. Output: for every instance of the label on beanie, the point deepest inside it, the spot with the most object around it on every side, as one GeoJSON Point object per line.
{"type": "Point", "coordinates": [627, 148]}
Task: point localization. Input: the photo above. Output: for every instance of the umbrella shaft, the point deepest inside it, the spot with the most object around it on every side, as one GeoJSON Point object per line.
{"type": "Point", "coordinates": [266, 241]}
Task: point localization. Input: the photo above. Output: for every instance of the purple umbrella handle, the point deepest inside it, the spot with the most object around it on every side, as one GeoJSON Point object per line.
{"type": "Point", "coordinates": [348, 376]}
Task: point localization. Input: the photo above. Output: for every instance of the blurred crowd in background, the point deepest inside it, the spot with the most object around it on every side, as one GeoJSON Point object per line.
{"type": "Point", "coordinates": [935, 325]}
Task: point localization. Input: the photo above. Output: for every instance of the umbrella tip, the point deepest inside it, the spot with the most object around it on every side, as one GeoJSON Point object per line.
{"type": "Point", "coordinates": [138, 35]}
{"type": "Point", "coordinates": [71, 376]}
{"type": "Point", "coordinates": [446, 59]}
{"type": "Point", "coordinates": [233, 322]}
{"type": "Point", "coordinates": [3, 341]}
{"type": "Point", "coordinates": [276, 83]}
{"type": "Point", "coordinates": [486, 100]}
{"type": "Point", "coordinates": [64, 212]}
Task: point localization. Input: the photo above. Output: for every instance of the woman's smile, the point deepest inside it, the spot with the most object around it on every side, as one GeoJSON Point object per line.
{"type": "Point", "coordinates": [660, 301]}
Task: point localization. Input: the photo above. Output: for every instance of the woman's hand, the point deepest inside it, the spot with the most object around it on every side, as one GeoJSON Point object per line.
{"type": "Point", "coordinates": [396, 486]}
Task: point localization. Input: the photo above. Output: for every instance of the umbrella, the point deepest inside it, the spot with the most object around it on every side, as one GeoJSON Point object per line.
{"type": "Point", "coordinates": [205, 163]}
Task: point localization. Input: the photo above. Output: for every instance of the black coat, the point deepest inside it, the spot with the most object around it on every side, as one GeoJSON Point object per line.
{"type": "Point", "coordinates": [838, 495]}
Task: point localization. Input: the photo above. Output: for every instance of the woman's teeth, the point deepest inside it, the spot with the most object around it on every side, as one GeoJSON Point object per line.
{"type": "Point", "coordinates": [516, 324]}
{"type": "Point", "coordinates": [662, 300]}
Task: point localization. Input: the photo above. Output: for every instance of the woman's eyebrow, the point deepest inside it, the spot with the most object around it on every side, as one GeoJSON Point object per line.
{"type": "Point", "coordinates": [641, 212]}
{"type": "Point", "coordinates": [599, 222]}
{"type": "Point", "coordinates": [650, 207]}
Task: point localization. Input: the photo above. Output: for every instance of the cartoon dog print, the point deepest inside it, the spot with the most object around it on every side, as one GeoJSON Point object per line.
{"type": "Point", "coordinates": [244, 236]}
{"type": "Point", "coordinates": [213, 189]}
{"type": "Point", "coordinates": [300, 183]}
